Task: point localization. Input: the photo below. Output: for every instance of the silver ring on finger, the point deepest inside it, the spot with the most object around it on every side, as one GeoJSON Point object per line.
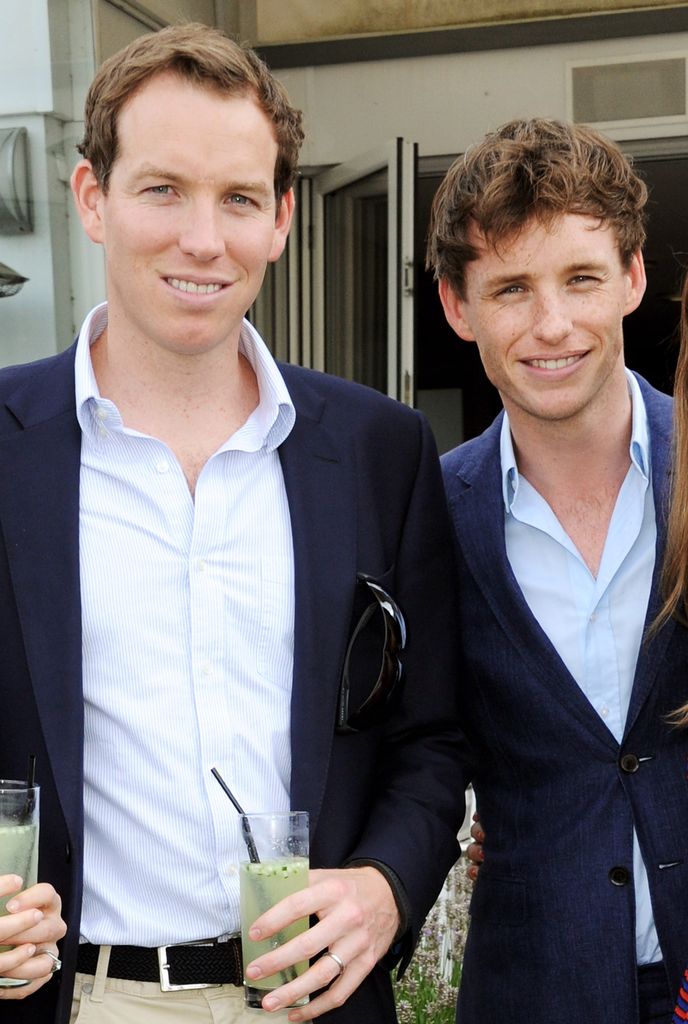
{"type": "Point", "coordinates": [339, 962]}
{"type": "Point", "coordinates": [56, 962]}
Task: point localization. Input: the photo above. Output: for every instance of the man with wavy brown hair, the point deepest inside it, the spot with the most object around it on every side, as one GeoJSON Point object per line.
{"type": "Point", "coordinates": [212, 560]}
{"type": "Point", "coordinates": [580, 910]}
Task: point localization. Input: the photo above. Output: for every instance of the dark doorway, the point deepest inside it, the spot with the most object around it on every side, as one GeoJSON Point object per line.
{"type": "Point", "coordinates": [651, 333]}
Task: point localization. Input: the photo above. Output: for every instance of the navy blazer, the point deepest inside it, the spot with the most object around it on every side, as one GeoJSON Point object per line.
{"type": "Point", "coordinates": [365, 495]}
{"type": "Point", "coordinates": [552, 936]}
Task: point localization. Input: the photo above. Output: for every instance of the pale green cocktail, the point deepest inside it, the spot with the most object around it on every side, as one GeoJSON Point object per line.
{"type": "Point", "coordinates": [261, 886]}
{"type": "Point", "coordinates": [18, 844]}
{"type": "Point", "coordinates": [18, 856]}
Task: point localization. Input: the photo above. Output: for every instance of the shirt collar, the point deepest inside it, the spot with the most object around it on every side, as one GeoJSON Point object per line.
{"type": "Point", "coordinates": [88, 398]}
{"type": "Point", "coordinates": [275, 412]}
{"type": "Point", "coordinates": [273, 418]}
{"type": "Point", "coordinates": [639, 448]}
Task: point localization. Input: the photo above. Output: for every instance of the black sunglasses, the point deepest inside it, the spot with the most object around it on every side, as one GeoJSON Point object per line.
{"type": "Point", "coordinates": [380, 610]}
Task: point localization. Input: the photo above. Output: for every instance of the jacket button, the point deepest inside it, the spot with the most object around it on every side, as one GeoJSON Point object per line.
{"type": "Point", "coordinates": [619, 876]}
{"type": "Point", "coordinates": [629, 763]}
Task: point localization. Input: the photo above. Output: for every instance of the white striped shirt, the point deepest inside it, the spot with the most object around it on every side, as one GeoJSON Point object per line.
{"type": "Point", "coordinates": [188, 618]}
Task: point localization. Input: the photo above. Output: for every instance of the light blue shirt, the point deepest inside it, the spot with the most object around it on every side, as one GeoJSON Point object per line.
{"type": "Point", "coordinates": [595, 623]}
{"type": "Point", "coordinates": [188, 623]}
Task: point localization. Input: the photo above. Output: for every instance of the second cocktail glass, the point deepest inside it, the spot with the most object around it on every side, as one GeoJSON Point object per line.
{"type": "Point", "coordinates": [18, 841]}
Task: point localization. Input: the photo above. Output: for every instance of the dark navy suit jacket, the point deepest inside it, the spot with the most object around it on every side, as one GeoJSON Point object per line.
{"type": "Point", "coordinates": [552, 938]}
{"type": "Point", "coordinates": [365, 495]}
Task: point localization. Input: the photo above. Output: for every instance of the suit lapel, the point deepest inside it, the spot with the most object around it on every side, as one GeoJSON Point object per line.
{"type": "Point", "coordinates": [651, 654]}
{"type": "Point", "coordinates": [321, 489]}
{"type": "Point", "coordinates": [477, 507]}
{"type": "Point", "coordinates": [40, 526]}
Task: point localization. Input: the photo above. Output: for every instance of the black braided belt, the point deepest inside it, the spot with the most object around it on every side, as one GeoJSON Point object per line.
{"type": "Point", "coordinates": [191, 965]}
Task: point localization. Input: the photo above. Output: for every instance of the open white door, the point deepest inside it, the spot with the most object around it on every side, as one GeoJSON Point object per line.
{"type": "Point", "coordinates": [362, 273]}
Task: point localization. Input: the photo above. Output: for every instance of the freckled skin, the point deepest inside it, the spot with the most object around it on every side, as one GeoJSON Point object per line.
{"type": "Point", "coordinates": [559, 292]}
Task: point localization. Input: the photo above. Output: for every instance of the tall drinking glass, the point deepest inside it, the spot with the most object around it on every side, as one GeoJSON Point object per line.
{"type": "Point", "coordinates": [275, 866]}
{"type": "Point", "coordinates": [18, 842]}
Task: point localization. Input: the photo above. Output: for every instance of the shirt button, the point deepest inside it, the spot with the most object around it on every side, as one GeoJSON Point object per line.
{"type": "Point", "coordinates": [206, 669]}
{"type": "Point", "coordinates": [604, 711]}
{"type": "Point", "coordinates": [202, 565]}
{"type": "Point", "coordinates": [619, 876]}
{"type": "Point", "coordinates": [101, 414]}
{"type": "Point", "coordinates": [162, 466]}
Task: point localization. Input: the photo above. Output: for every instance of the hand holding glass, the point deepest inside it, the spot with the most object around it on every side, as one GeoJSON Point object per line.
{"type": "Point", "coordinates": [280, 842]}
{"type": "Point", "coordinates": [18, 842]}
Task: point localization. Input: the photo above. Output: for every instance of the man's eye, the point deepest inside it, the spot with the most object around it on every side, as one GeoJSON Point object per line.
{"type": "Point", "coordinates": [239, 200]}
{"type": "Point", "coordinates": [160, 190]}
{"type": "Point", "coordinates": [511, 289]}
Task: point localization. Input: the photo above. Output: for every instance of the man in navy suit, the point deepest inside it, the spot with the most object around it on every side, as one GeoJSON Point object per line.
{"type": "Point", "coordinates": [209, 560]}
{"type": "Point", "coordinates": [580, 910]}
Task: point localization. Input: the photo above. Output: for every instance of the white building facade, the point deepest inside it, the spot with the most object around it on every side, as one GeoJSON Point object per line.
{"type": "Point", "coordinates": [384, 116]}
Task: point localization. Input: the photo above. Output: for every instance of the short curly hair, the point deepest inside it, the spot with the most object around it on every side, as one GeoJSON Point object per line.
{"type": "Point", "coordinates": [532, 169]}
{"type": "Point", "coordinates": [200, 54]}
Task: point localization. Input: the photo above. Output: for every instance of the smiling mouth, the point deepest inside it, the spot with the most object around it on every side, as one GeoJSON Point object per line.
{"type": "Point", "coordinates": [553, 364]}
{"type": "Point", "coordinates": [191, 286]}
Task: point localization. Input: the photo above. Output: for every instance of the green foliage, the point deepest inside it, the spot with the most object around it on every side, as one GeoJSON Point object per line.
{"type": "Point", "coordinates": [427, 992]}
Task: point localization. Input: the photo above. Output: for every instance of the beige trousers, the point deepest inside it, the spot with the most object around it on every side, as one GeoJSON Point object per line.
{"type": "Point", "coordinates": [103, 1000]}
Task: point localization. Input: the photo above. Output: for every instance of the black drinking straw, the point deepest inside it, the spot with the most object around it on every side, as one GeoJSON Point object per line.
{"type": "Point", "coordinates": [245, 826]}
{"type": "Point", "coordinates": [30, 783]}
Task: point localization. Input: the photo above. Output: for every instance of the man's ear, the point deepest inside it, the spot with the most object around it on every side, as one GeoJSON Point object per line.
{"type": "Point", "coordinates": [285, 212]}
{"type": "Point", "coordinates": [455, 311]}
{"type": "Point", "coordinates": [637, 282]}
{"type": "Point", "coordinates": [88, 197]}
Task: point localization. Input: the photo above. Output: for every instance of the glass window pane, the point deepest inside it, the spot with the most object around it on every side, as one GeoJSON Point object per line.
{"type": "Point", "coordinates": [356, 282]}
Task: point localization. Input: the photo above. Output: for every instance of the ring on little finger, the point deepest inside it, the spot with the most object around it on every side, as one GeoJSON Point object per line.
{"type": "Point", "coordinates": [339, 962]}
{"type": "Point", "coordinates": [56, 962]}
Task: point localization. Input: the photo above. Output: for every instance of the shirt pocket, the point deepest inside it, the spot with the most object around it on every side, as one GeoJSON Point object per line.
{"type": "Point", "coordinates": [498, 900]}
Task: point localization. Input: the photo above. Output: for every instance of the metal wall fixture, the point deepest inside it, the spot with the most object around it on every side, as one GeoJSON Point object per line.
{"type": "Point", "coordinates": [15, 183]}
{"type": "Point", "coordinates": [10, 281]}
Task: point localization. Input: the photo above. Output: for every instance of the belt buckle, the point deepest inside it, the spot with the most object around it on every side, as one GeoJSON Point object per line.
{"type": "Point", "coordinates": [164, 968]}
